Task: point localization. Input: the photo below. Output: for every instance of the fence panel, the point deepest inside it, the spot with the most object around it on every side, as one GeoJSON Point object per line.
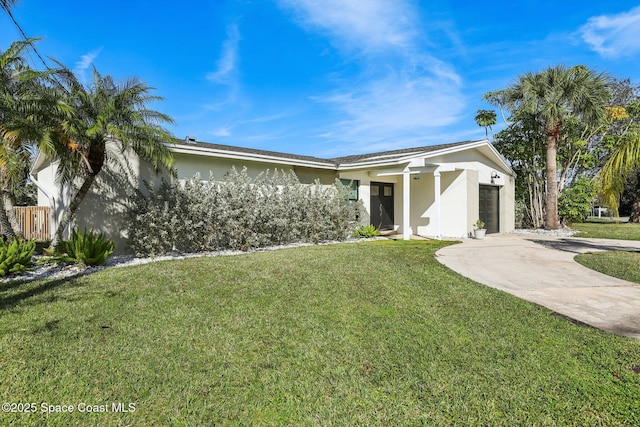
{"type": "Point", "coordinates": [34, 221]}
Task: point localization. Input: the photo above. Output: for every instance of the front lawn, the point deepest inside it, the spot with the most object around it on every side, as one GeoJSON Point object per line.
{"type": "Point", "coordinates": [375, 333]}
{"type": "Point", "coordinates": [620, 264]}
{"type": "Point", "coordinates": [608, 230]}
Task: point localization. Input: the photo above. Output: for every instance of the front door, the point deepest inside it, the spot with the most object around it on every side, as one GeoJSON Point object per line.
{"type": "Point", "coordinates": [490, 207]}
{"type": "Point", "coordinates": [382, 205]}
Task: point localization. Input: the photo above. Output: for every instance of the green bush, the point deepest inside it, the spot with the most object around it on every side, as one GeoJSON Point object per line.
{"type": "Point", "coordinates": [238, 213]}
{"type": "Point", "coordinates": [575, 203]}
{"type": "Point", "coordinates": [366, 232]}
{"type": "Point", "coordinates": [88, 248]}
{"type": "Point", "coordinates": [15, 256]}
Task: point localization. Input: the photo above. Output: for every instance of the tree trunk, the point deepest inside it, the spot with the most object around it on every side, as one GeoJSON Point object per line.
{"type": "Point", "coordinates": [635, 209]}
{"type": "Point", "coordinates": [68, 215]}
{"type": "Point", "coordinates": [95, 160]}
{"type": "Point", "coordinates": [8, 202]}
{"type": "Point", "coordinates": [7, 230]}
{"type": "Point", "coordinates": [551, 201]}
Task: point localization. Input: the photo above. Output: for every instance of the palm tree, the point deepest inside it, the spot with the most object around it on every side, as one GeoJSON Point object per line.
{"type": "Point", "coordinates": [98, 114]}
{"type": "Point", "coordinates": [552, 95]}
{"type": "Point", "coordinates": [17, 89]}
{"type": "Point", "coordinates": [486, 119]}
{"type": "Point", "coordinates": [623, 161]}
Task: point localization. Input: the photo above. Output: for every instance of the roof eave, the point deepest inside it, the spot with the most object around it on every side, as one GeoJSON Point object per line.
{"type": "Point", "coordinates": [256, 157]}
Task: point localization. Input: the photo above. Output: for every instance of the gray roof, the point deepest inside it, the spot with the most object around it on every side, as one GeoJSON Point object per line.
{"type": "Point", "coordinates": [397, 153]}
{"type": "Point", "coordinates": [234, 148]}
{"type": "Point", "coordinates": [336, 161]}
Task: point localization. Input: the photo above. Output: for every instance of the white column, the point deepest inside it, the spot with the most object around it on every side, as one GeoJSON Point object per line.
{"type": "Point", "coordinates": [406, 205]}
{"type": "Point", "coordinates": [438, 222]}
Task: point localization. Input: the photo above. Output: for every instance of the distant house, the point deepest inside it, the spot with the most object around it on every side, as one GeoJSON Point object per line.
{"type": "Point", "coordinates": [431, 191]}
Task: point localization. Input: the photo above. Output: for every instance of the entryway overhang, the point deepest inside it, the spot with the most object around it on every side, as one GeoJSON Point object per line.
{"type": "Point", "coordinates": [414, 167]}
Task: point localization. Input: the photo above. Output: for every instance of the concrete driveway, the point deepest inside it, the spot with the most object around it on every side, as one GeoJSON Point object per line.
{"type": "Point", "coordinates": [541, 269]}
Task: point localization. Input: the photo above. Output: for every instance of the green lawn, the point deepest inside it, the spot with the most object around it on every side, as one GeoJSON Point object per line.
{"type": "Point", "coordinates": [608, 230]}
{"type": "Point", "coordinates": [374, 333]}
{"type": "Point", "coordinates": [620, 264]}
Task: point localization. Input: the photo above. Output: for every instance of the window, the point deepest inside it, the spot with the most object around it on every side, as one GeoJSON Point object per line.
{"type": "Point", "coordinates": [353, 185]}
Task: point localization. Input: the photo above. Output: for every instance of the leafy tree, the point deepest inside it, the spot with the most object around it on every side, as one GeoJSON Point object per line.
{"type": "Point", "coordinates": [552, 96]}
{"type": "Point", "coordinates": [576, 202]}
{"type": "Point", "coordinates": [522, 144]}
{"type": "Point", "coordinates": [96, 115]}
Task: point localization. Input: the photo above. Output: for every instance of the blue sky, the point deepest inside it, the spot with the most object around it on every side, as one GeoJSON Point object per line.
{"type": "Point", "coordinates": [329, 77]}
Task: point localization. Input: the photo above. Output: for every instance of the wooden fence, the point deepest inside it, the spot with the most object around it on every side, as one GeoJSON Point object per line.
{"type": "Point", "coordinates": [34, 221]}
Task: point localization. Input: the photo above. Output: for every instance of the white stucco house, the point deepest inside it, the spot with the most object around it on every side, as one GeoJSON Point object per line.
{"type": "Point", "coordinates": [434, 191]}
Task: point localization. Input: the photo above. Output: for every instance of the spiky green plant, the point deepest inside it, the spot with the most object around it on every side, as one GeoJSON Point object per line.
{"type": "Point", "coordinates": [15, 256]}
{"type": "Point", "coordinates": [366, 232]}
{"type": "Point", "coordinates": [88, 248]}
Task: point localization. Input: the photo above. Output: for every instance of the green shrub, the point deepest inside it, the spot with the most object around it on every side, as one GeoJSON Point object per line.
{"type": "Point", "coordinates": [238, 213]}
{"type": "Point", "coordinates": [88, 248]}
{"type": "Point", "coordinates": [15, 256]}
{"type": "Point", "coordinates": [366, 231]}
{"type": "Point", "coordinates": [576, 202]}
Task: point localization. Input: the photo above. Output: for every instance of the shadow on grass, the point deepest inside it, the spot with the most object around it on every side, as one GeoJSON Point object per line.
{"type": "Point", "coordinates": [579, 246]}
{"type": "Point", "coordinates": [32, 290]}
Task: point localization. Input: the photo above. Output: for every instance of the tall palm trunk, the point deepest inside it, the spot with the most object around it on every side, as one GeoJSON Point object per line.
{"type": "Point", "coordinates": [551, 200]}
{"type": "Point", "coordinates": [68, 215]}
{"type": "Point", "coordinates": [7, 230]}
{"type": "Point", "coordinates": [94, 162]}
{"type": "Point", "coordinates": [8, 202]}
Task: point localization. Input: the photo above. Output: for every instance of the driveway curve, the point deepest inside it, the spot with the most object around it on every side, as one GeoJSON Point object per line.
{"type": "Point", "coordinates": [541, 269]}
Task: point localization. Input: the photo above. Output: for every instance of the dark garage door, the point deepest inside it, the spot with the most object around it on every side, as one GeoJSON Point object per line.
{"type": "Point", "coordinates": [490, 207]}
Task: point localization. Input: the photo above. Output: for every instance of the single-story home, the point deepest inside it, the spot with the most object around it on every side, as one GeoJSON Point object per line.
{"type": "Point", "coordinates": [434, 191]}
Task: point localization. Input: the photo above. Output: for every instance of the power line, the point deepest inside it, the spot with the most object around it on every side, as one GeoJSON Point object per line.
{"type": "Point", "coordinates": [5, 6]}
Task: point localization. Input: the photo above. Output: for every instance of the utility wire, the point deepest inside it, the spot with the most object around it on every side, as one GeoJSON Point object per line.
{"type": "Point", "coordinates": [7, 9]}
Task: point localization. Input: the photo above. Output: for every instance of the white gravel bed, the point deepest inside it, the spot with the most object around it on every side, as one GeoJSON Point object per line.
{"type": "Point", "coordinates": [563, 232]}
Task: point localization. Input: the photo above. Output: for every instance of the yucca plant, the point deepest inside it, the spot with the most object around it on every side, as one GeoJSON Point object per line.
{"type": "Point", "coordinates": [15, 256]}
{"type": "Point", "coordinates": [88, 248]}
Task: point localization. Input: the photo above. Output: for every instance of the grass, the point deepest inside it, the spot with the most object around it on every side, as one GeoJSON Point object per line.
{"type": "Point", "coordinates": [620, 264]}
{"type": "Point", "coordinates": [375, 333]}
{"type": "Point", "coordinates": [608, 230]}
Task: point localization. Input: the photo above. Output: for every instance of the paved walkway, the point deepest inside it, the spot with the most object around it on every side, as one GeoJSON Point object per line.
{"type": "Point", "coordinates": [541, 269]}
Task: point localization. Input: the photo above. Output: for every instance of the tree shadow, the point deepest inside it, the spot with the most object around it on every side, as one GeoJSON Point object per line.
{"type": "Point", "coordinates": [11, 301]}
{"type": "Point", "coordinates": [577, 246]}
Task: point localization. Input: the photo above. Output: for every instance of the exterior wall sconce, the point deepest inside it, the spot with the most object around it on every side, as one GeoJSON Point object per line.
{"type": "Point", "coordinates": [494, 176]}
{"type": "Point", "coordinates": [416, 177]}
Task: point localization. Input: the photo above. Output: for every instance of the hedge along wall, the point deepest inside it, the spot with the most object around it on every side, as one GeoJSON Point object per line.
{"type": "Point", "coordinates": [239, 213]}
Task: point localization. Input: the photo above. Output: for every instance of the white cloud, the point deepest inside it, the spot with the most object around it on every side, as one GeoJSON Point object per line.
{"type": "Point", "coordinates": [221, 132]}
{"type": "Point", "coordinates": [394, 111]}
{"type": "Point", "coordinates": [227, 65]}
{"type": "Point", "coordinates": [401, 91]}
{"type": "Point", "coordinates": [365, 25]}
{"type": "Point", "coordinates": [613, 35]}
{"type": "Point", "coordinates": [80, 68]}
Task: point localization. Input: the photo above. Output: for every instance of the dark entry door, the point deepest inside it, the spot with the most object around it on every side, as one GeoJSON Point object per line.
{"type": "Point", "coordinates": [490, 207]}
{"type": "Point", "coordinates": [382, 205]}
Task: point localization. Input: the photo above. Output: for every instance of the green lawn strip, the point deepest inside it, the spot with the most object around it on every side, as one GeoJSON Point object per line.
{"type": "Point", "coordinates": [620, 264]}
{"type": "Point", "coordinates": [375, 333]}
{"type": "Point", "coordinates": [608, 230]}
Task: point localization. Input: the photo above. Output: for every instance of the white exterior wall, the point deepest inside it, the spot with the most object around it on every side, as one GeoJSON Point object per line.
{"type": "Point", "coordinates": [51, 194]}
{"type": "Point", "coordinates": [104, 208]}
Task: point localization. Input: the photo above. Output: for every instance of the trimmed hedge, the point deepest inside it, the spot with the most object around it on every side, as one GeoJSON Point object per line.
{"type": "Point", "coordinates": [239, 213]}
